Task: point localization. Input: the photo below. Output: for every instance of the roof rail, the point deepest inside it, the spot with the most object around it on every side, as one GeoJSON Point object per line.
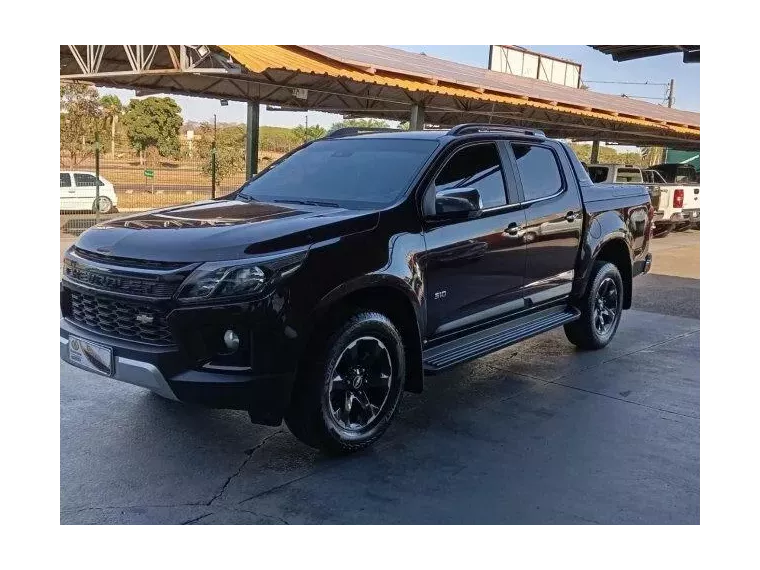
{"type": "Point", "coordinates": [468, 128]}
{"type": "Point", "coordinates": [353, 131]}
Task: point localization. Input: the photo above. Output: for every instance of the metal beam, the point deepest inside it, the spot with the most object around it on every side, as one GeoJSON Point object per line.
{"type": "Point", "coordinates": [417, 117]}
{"type": "Point", "coordinates": [252, 140]}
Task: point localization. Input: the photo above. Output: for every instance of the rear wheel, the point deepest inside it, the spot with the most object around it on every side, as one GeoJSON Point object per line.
{"type": "Point", "coordinates": [661, 231]}
{"type": "Point", "coordinates": [683, 227]}
{"type": "Point", "coordinates": [102, 205]}
{"type": "Point", "coordinates": [601, 308]}
{"type": "Point", "coordinates": [347, 395]}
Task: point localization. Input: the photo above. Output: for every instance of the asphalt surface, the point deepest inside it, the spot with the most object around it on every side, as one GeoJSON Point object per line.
{"type": "Point", "coordinates": [536, 433]}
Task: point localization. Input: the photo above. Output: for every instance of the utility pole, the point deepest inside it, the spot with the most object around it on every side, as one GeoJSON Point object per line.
{"type": "Point", "coordinates": [213, 162]}
{"type": "Point", "coordinates": [671, 93]}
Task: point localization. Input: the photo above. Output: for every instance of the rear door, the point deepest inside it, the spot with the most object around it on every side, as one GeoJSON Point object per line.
{"type": "Point", "coordinates": [554, 218]}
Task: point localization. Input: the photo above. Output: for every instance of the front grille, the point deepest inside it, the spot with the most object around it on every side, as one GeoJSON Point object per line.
{"type": "Point", "coordinates": [148, 286]}
{"type": "Point", "coordinates": [112, 317]}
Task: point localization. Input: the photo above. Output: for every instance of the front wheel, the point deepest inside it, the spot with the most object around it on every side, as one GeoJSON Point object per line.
{"type": "Point", "coordinates": [601, 308]}
{"type": "Point", "coordinates": [347, 394]}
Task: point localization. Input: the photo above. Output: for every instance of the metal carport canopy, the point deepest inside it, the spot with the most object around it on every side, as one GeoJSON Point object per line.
{"type": "Point", "coordinates": [381, 82]}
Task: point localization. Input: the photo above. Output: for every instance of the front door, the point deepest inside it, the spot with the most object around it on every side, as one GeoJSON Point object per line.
{"type": "Point", "coordinates": [474, 268]}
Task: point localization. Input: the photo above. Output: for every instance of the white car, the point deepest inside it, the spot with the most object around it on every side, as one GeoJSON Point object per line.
{"type": "Point", "coordinates": [78, 192]}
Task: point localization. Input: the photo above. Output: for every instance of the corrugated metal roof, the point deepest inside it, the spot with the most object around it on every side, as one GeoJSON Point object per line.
{"type": "Point", "coordinates": [626, 53]}
{"type": "Point", "coordinates": [402, 61]}
{"type": "Point", "coordinates": [416, 72]}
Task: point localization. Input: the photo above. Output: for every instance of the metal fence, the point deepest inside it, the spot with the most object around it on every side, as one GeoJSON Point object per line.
{"type": "Point", "coordinates": [133, 181]}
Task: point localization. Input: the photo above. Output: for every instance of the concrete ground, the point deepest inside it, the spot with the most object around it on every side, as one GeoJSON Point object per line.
{"type": "Point", "coordinates": [536, 433]}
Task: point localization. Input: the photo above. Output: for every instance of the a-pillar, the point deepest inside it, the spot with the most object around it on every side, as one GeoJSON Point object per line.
{"type": "Point", "coordinates": [252, 140]}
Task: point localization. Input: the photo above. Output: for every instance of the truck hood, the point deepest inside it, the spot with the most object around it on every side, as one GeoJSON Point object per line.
{"type": "Point", "coordinates": [222, 229]}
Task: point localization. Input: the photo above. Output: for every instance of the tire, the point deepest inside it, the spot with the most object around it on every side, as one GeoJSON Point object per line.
{"type": "Point", "coordinates": [662, 232]}
{"type": "Point", "coordinates": [597, 303]}
{"type": "Point", "coordinates": [683, 227]}
{"type": "Point", "coordinates": [338, 405]}
{"type": "Point", "coordinates": [105, 205]}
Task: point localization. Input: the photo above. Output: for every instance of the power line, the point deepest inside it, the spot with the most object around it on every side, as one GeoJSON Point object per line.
{"type": "Point", "coordinates": [642, 97]}
{"type": "Point", "coordinates": [627, 82]}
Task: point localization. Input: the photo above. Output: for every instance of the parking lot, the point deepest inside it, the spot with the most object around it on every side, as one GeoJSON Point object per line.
{"type": "Point", "coordinates": [536, 433]}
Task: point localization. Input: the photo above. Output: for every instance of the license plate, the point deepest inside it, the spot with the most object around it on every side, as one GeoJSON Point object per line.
{"type": "Point", "coordinates": [95, 357]}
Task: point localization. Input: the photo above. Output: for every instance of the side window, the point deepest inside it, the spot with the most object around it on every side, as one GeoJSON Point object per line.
{"type": "Point", "coordinates": [65, 180]}
{"type": "Point", "coordinates": [628, 175]}
{"type": "Point", "coordinates": [84, 179]}
{"type": "Point", "coordinates": [477, 166]}
{"type": "Point", "coordinates": [598, 174]}
{"type": "Point", "coordinates": [538, 170]}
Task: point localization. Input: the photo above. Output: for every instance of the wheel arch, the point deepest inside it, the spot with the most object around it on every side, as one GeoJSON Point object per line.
{"type": "Point", "coordinates": [387, 296]}
{"type": "Point", "coordinates": [607, 237]}
{"type": "Point", "coordinates": [617, 251]}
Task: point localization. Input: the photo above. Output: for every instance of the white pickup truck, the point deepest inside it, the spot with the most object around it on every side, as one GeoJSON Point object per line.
{"type": "Point", "coordinates": [667, 199]}
{"type": "Point", "coordinates": [684, 180]}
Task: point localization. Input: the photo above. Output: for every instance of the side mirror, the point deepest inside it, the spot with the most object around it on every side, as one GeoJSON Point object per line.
{"type": "Point", "coordinates": [458, 203]}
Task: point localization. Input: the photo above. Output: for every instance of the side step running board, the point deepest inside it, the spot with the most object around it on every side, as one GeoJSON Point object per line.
{"type": "Point", "coordinates": [484, 342]}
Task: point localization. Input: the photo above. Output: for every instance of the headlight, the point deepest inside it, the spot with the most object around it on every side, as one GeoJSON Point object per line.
{"type": "Point", "coordinates": [222, 279]}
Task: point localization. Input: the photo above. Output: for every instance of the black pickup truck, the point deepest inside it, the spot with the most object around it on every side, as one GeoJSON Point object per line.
{"type": "Point", "coordinates": [347, 271]}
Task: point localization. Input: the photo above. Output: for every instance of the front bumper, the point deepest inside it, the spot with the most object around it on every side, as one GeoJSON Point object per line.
{"type": "Point", "coordinates": [168, 371]}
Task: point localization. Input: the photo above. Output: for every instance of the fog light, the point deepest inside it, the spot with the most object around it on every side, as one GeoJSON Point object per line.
{"type": "Point", "coordinates": [231, 340]}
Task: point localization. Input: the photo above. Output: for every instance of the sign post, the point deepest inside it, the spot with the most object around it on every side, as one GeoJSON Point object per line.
{"type": "Point", "coordinates": [148, 174]}
{"type": "Point", "coordinates": [97, 177]}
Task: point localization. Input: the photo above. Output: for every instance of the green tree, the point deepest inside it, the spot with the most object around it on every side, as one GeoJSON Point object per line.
{"type": "Point", "coordinates": [112, 110]}
{"type": "Point", "coordinates": [154, 122]}
{"type": "Point", "coordinates": [305, 134]}
{"type": "Point", "coordinates": [81, 115]}
{"type": "Point", "coordinates": [230, 149]}
{"type": "Point", "coordinates": [361, 123]}
{"type": "Point", "coordinates": [403, 125]}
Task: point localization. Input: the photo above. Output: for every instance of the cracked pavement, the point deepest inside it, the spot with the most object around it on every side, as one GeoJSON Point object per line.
{"type": "Point", "coordinates": [536, 433]}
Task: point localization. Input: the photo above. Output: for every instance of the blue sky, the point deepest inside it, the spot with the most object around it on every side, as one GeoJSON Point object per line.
{"type": "Point", "coordinates": [596, 66]}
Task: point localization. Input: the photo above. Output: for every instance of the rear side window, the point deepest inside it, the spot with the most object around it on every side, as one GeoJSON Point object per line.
{"type": "Point", "coordinates": [477, 166]}
{"type": "Point", "coordinates": [83, 179]}
{"type": "Point", "coordinates": [538, 170]}
{"type": "Point", "coordinates": [65, 180]}
{"type": "Point", "coordinates": [628, 175]}
{"type": "Point", "coordinates": [598, 174]}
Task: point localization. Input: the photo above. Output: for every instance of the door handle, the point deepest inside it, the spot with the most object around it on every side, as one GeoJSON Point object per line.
{"type": "Point", "coordinates": [513, 230]}
{"type": "Point", "coordinates": [570, 216]}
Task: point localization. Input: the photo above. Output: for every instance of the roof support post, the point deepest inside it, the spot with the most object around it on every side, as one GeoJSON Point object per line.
{"type": "Point", "coordinates": [417, 117]}
{"type": "Point", "coordinates": [594, 152]}
{"type": "Point", "coordinates": [252, 139]}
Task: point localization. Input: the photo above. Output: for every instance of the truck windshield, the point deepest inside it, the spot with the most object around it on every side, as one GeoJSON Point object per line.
{"type": "Point", "coordinates": [353, 173]}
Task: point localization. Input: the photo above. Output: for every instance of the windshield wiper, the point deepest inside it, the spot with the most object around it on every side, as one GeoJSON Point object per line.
{"type": "Point", "coordinates": [308, 203]}
{"type": "Point", "coordinates": [247, 198]}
